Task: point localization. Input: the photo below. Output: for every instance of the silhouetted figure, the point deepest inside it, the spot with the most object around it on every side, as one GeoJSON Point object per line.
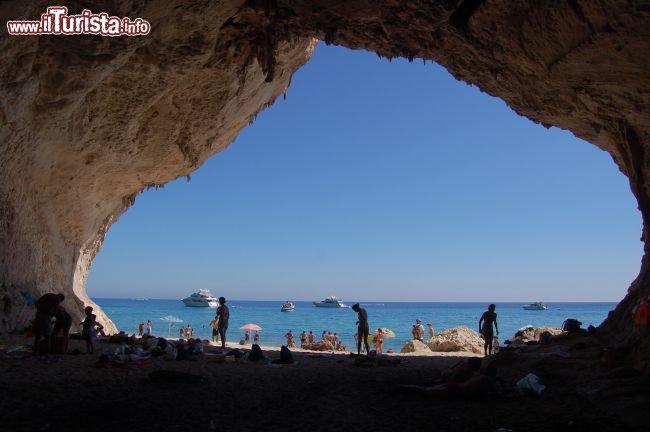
{"type": "Point", "coordinates": [89, 328]}
{"type": "Point", "coordinates": [362, 328]}
{"type": "Point", "coordinates": [223, 315]}
{"type": "Point", "coordinates": [46, 309]}
{"type": "Point", "coordinates": [488, 318]}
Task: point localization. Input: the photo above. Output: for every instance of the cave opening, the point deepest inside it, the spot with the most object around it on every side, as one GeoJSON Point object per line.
{"type": "Point", "coordinates": [388, 181]}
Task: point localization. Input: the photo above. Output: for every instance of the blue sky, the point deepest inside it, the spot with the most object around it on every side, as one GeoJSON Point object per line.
{"type": "Point", "coordinates": [390, 181]}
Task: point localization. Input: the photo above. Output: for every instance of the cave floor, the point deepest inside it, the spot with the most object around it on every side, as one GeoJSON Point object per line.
{"type": "Point", "coordinates": [585, 392]}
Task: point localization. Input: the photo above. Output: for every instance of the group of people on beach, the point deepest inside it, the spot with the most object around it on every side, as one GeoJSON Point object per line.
{"type": "Point", "coordinates": [307, 340]}
{"type": "Point", "coordinates": [219, 324]}
{"type": "Point", "coordinates": [247, 337]}
{"type": "Point", "coordinates": [141, 328]}
{"type": "Point", "coordinates": [487, 324]}
{"type": "Point", "coordinates": [53, 319]}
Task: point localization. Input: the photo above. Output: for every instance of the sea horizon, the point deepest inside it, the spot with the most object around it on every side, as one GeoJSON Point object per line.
{"type": "Point", "coordinates": [351, 302]}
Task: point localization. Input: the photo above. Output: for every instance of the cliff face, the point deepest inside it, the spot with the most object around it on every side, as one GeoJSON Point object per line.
{"type": "Point", "coordinates": [88, 122]}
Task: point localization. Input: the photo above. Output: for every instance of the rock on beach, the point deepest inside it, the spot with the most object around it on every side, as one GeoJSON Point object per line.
{"type": "Point", "coordinates": [457, 339]}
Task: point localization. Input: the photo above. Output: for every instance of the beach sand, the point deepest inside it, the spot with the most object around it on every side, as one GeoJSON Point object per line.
{"type": "Point", "coordinates": [322, 392]}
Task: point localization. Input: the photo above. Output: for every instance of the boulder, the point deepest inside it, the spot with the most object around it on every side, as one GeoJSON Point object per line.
{"type": "Point", "coordinates": [457, 339]}
{"type": "Point", "coordinates": [531, 334]}
{"type": "Point", "coordinates": [318, 346]}
{"type": "Point", "coordinates": [415, 346]}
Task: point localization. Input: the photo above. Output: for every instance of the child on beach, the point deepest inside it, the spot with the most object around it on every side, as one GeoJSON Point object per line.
{"type": "Point", "coordinates": [89, 328]}
{"type": "Point", "coordinates": [214, 324]}
{"type": "Point", "coordinates": [379, 341]}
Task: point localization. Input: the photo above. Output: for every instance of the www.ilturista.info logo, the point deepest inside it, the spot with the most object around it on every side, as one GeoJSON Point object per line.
{"type": "Point", "coordinates": [56, 22]}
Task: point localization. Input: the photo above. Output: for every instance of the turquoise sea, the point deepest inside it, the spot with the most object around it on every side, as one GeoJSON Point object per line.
{"type": "Point", "coordinates": [399, 317]}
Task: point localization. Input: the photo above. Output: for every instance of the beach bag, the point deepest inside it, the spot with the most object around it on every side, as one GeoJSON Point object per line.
{"type": "Point", "coordinates": [571, 325]}
{"type": "Point", "coordinates": [642, 313]}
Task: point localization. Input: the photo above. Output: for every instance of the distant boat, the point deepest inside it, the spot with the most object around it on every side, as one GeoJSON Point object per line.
{"type": "Point", "coordinates": [536, 306]}
{"type": "Point", "coordinates": [287, 307]}
{"type": "Point", "coordinates": [331, 302]}
{"type": "Point", "coordinates": [202, 298]}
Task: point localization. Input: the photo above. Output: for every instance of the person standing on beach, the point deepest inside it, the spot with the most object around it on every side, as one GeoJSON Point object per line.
{"type": "Point", "coordinates": [362, 328]}
{"type": "Point", "coordinates": [379, 341]}
{"type": "Point", "coordinates": [223, 315]}
{"type": "Point", "coordinates": [418, 330]}
{"type": "Point", "coordinates": [46, 309]}
{"type": "Point", "coordinates": [89, 328]}
{"type": "Point", "coordinates": [488, 318]}
{"type": "Point", "coordinates": [303, 338]}
{"type": "Point", "coordinates": [290, 341]}
{"type": "Point", "coordinates": [149, 327]}
{"type": "Point", "coordinates": [141, 329]}
{"type": "Point", "coordinates": [311, 338]}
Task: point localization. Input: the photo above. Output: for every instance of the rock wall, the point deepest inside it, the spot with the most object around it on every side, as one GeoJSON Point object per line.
{"type": "Point", "coordinates": [88, 122]}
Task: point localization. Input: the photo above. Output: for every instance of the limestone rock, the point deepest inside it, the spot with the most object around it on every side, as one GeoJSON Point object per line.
{"type": "Point", "coordinates": [318, 346]}
{"type": "Point", "coordinates": [415, 346]}
{"type": "Point", "coordinates": [457, 339]}
{"type": "Point", "coordinates": [529, 333]}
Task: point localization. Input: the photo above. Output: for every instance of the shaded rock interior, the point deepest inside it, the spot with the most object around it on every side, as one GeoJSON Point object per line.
{"type": "Point", "coordinates": [89, 122]}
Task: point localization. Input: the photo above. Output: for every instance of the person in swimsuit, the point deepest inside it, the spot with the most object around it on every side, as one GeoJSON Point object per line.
{"type": "Point", "coordinates": [362, 328]}
{"type": "Point", "coordinates": [488, 318]}
{"type": "Point", "coordinates": [223, 315]}
{"type": "Point", "coordinates": [379, 341]}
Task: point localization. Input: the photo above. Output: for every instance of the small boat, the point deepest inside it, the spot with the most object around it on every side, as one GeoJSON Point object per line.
{"type": "Point", "coordinates": [331, 302]}
{"type": "Point", "coordinates": [202, 298]}
{"type": "Point", "coordinates": [287, 307]}
{"type": "Point", "coordinates": [536, 306]}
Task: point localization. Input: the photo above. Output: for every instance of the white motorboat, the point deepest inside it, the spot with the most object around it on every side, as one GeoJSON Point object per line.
{"type": "Point", "coordinates": [287, 307]}
{"type": "Point", "coordinates": [536, 306]}
{"type": "Point", "coordinates": [331, 302]}
{"type": "Point", "coordinates": [201, 298]}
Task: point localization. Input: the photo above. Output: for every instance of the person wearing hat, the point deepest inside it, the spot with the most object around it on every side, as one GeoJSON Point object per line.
{"type": "Point", "coordinates": [418, 330]}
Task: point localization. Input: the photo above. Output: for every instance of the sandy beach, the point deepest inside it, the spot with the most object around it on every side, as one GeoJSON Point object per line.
{"type": "Point", "coordinates": [321, 392]}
